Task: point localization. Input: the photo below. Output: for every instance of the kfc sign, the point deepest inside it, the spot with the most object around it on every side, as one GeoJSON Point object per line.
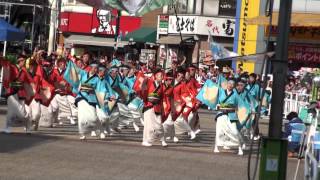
{"type": "Point", "coordinates": [106, 22]}
{"type": "Point", "coordinates": [99, 22]}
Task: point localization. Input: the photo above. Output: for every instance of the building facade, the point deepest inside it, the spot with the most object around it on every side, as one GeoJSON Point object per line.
{"type": "Point", "coordinates": [184, 29]}
{"type": "Point", "coordinates": [84, 28]}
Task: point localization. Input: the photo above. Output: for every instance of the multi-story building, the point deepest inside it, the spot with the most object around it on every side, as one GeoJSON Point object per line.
{"type": "Point", "coordinates": [181, 30]}
{"type": "Point", "coordinates": [184, 29]}
{"type": "Point", "coordinates": [85, 28]}
{"type": "Point", "coordinates": [252, 29]}
{"type": "Point", "coordinates": [31, 16]}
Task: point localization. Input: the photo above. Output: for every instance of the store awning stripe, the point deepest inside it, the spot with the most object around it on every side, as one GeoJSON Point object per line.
{"type": "Point", "coordinates": [92, 41]}
{"type": "Point", "coordinates": [143, 35]}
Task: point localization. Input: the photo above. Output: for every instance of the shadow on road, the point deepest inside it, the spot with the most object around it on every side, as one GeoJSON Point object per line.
{"type": "Point", "coordinates": [15, 142]}
{"type": "Point", "coordinates": [3, 111]}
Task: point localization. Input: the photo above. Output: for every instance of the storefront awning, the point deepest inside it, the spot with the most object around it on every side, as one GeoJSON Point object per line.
{"type": "Point", "coordinates": [143, 35]}
{"type": "Point", "coordinates": [92, 41]}
{"type": "Point", "coordinates": [297, 19]}
{"type": "Point", "coordinates": [172, 39]}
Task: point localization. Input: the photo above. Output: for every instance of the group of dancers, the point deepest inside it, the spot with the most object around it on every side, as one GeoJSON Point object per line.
{"type": "Point", "coordinates": [104, 97]}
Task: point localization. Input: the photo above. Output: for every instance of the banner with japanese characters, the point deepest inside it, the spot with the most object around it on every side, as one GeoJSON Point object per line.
{"type": "Point", "coordinates": [304, 53]}
{"type": "Point", "coordinates": [224, 27]}
{"type": "Point", "coordinates": [216, 26]}
{"type": "Point", "coordinates": [183, 24]}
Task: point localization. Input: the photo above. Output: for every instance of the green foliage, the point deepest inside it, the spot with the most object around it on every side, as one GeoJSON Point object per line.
{"type": "Point", "coordinates": [11, 58]}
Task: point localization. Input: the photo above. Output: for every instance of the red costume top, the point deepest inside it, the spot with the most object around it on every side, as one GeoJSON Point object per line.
{"type": "Point", "coordinates": [193, 85]}
{"type": "Point", "coordinates": [140, 84]}
{"type": "Point", "coordinates": [37, 85]}
{"type": "Point", "coordinates": [153, 90]}
{"type": "Point", "coordinates": [61, 85]}
{"type": "Point", "coordinates": [189, 96]}
{"type": "Point", "coordinates": [45, 90]}
{"type": "Point", "coordinates": [86, 68]}
{"type": "Point", "coordinates": [179, 103]}
{"type": "Point", "coordinates": [17, 81]}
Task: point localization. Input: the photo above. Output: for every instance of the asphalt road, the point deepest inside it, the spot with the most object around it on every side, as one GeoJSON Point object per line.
{"type": "Point", "coordinates": [56, 153]}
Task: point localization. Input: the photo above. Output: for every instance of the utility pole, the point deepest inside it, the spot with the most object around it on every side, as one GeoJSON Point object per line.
{"type": "Point", "coordinates": [280, 67]}
{"type": "Point", "coordinates": [33, 26]}
{"type": "Point", "coordinates": [116, 40]}
{"type": "Point", "coordinates": [273, 164]}
{"type": "Point", "coordinates": [52, 31]}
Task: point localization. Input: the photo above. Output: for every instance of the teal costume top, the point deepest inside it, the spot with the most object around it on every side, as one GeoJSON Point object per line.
{"type": "Point", "coordinates": [92, 81]}
{"type": "Point", "coordinates": [86, 86]}
{"type": "Point", "coordinates": [253, 90]}
{"type": "Point", "coordinates": [112, 84]}
{"type": "Point", "coordinates": [230, 99]}
{"type": "Point", "coordinates": [130, 81]}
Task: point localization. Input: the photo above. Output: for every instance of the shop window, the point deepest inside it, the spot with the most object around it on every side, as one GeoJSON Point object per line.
{"type": "Point", "coordinates": [210, 7]}
{"type": "Point", "coordinates": [227, 7]}
{"type": "Point", "coordinates": [69, 2]}
{"type": "Point", "coordinates": [181, 6]}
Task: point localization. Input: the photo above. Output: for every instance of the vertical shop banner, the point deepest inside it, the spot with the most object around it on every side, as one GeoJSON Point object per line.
{"type": "Point", "coordinates": [245, 41]}
{"type": "Point", "coordinates": [183, 24]}
{"type": "Point", "coordinates": [172, 56]}
{"type": "Point", "coordinates": [163, 23]}
{"type": "Point", "coordinates": [162, 55]}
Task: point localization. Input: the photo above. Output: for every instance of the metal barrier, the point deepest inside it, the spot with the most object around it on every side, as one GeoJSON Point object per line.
{"type": "Point", "coordinates": [311, 169]}
{"type": "Point", "coordinates": [295, 101]}
{"type": "Point", "coordinates": [311, 165]}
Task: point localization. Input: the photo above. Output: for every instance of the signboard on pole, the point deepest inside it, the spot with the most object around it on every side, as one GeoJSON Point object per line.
{"type": "Point", "coordinates": [147, 55]}
{"type": "Point", "coordinates": [163, 23]}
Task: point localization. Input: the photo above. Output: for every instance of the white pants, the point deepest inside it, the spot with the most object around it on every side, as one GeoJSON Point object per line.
{"type": "Point", "coordinates": [137, 114]}
{"type": "Point", "coordinates": [130, 114]}
{"type": "Point", "coordinates": [87, 117]}
{"type": "Point", "coordinates": [227, 133]}
{"type": "Point", "coordinates": [103, 118]}
{"type": "Point", "coordinates": [181, 125]}
{"type": "Point", "coordinates": [16, 110]}
{"type": "Point", "coordinates": [64, 105]}
{"type": "Point", "coordinates": [153, 128]}
{"type": "Point", "coordinates": [114, 119]}
{"type": "Point", "coordinates": [168, 127]}
{"type": "Point", "coordinates": [47, 116]}
{"type": "Point", "coordinates": [136, 110]}
{"type": "Point", "coordinates": [33, 111]}
{"type": "Point", "coordinates": [193, 121]}
{"type": "Point", "coordinates": [125, 113]}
